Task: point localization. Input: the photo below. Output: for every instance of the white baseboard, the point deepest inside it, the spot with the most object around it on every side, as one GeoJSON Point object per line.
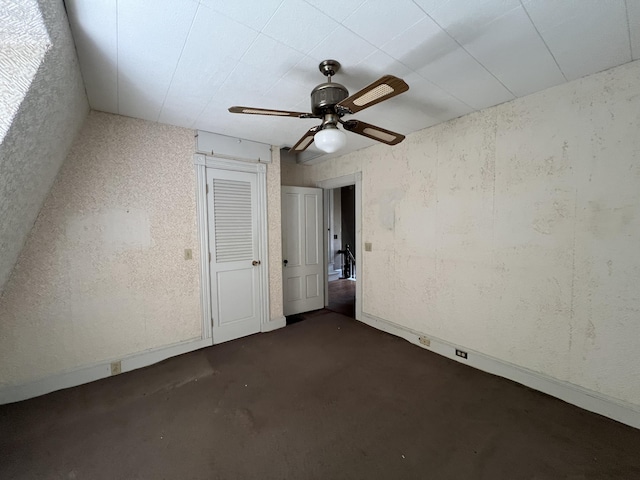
{"type": "Point", "coordinates": [615, 409]}
{"type": "Point", "coordinates": [273, 324]}
{"type": "Point", "coordinates": [73, 378]}
{"type": "Point", "coordinates": [587, 399]}
{"type": "Point", "coordinates": [16, 393]}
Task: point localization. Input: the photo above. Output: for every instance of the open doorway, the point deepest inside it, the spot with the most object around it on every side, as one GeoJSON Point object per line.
{"type": "Point", "coordinates": [341, 250]}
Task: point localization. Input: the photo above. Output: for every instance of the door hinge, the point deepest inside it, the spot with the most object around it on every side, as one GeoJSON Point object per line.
{"type": "Point", "coordinates": [207, 185]}
{"type": "Point", "coordinates": [209, 257]}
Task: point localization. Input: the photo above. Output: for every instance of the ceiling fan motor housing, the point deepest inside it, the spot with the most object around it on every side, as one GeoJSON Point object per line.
{"type": "Point", "coordinates": [330, 102]}
{"type": "Point", "coordinates": [325, 97]}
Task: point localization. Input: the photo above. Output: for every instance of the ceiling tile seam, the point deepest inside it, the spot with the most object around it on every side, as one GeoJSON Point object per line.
{"type": "Point", "coordinates": [468, 53]}
{"type": "Point", "coordinates": [173, 75]}
{"type": "Point", "coordinates": [374, 46]}
{"type": "Point", "coordinates": [271, 17]}
{"type": "Point", "coordinates": [379, 49]}
{"type": "Point", "coordinates": [429, 80]}
{"type": "Point", "coordinates": [304, 54]}
{"type": "Point", "coordinates": [253, 42]}
{"type": "Point", "coordinates": [502, 15]}
{"type": "Point", "coordinates": [281, 43]}
{"type": "Point", "coordinates": [544, 41]}
{"type": "Point", "coordinates": [376, 49]}
{"type": "Point", "coordinates": [626, 11]}
{"type": "Point", "coordinates": [117, 60]}
{"type": "Point", "coordinates": [441, 87]}
{"type": "Point", "coordinates": [435, 84]}
{"type": "Point", "coordinates": [297, 63]}
{"type": "Point", "coordinates": [332, 18]}
{"type": "Point", "coordinates": [340, 24]}
{"type": "Point", "coordinates": [213, 94]}
{"type": "Point", "coordinates": [271, 88]}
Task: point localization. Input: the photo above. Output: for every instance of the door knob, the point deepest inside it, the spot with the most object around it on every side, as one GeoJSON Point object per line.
{"type": "Point", "coordinates": [255, 262]}
{"type": "Point", "coordinates": [285, 262]}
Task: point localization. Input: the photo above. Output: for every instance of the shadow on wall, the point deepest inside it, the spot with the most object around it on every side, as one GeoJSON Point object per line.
{"type": "Point", "coordinates": [42, 131]}
{"type": "Point", "coordinates": [103, 273]}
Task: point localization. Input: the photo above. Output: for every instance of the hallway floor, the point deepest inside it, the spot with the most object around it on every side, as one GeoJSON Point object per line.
{"type": "Point", "coordinates": [325, 398]}
{"type": "Point", "coordinates": [342, 297]}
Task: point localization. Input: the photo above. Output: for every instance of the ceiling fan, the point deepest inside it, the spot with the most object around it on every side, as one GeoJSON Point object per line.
{"type": "Point", "coordinates": [330, 102]}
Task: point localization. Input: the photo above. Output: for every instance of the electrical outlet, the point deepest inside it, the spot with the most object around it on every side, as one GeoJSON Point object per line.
{"type": "Point", "coordinates": [461, 353]}
{"type": "Point", "coordinates": [188, 254]}
{"type": "Point", "coordinates": [425, 341]}
{"type": "Point", "coordinates": [116, 368]}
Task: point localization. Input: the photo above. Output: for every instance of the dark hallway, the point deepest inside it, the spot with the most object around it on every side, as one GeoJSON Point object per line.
{"type": "Point", "coordinates": [342, 297]}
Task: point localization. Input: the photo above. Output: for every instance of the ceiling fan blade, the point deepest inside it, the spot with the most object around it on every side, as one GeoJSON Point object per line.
{"type": "Point", "coordinates": [266, 111]}
{"type": "Point", "coordinates": [371, 131]}
{"type": "Point", "coordinates": [382, 89]}
{"type": "Point", "coordinates": [305, 141]}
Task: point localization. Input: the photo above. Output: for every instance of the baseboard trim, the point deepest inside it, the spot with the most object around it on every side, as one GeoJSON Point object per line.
{"type": "Point", "coordinates": [581, 397]}
{"type": "Point", "coordinates": [273, 324]}
{"type": "Point", "coordinates": [73, 378]}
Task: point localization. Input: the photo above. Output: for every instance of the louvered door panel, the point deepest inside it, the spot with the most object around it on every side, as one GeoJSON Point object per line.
{"type": "Point", "coordinates": [233, 221]}
{"type": "Point", "coordinates": [235, 264]}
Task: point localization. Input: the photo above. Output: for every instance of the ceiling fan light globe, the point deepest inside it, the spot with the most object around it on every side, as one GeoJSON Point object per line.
{"type": "Point", "coordinates": [330, 140]}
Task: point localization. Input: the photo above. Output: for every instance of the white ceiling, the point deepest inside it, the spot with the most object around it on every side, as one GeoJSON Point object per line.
{"type": "Point", "coordinates": [184, 62]}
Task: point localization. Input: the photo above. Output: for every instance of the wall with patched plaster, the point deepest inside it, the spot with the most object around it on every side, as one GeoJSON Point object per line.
{"type": "Point", "coordinates": [514, 231]}
{"type": "Point", "coordinates": [103, 273]}
{"type": "Point", "coordinates": [42, 108]}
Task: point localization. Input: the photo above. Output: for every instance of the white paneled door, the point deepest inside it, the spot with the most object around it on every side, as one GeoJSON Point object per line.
{"type": "Point", "coordinates": [233, 243]}
{"type": "Point", "coordinates": [302, 249]}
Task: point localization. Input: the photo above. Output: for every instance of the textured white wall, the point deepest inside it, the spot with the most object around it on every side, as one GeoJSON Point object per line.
{"type": "Point", "coordinates": [274, 236]}
{"type": "Point", "coordinates": [514, 231]}
{"type": "Point", "coordinates": [103, 274]}
{"type": "Point", "coordinates": [47, 120]}
{"type": "Point", "coordinates": [290, 172]}
{"type": "Point", "coordinates": [24, 42]}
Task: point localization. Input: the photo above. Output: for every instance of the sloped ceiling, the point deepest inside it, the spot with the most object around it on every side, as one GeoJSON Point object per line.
{"type": "Point", "coordinates": [184, 62]}
{"type": "Point", "coordinates": [43, 105]}
{"type": "Point", "coordinates": [23, 43]}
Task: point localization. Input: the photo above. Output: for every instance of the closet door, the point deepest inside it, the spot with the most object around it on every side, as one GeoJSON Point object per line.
{"type": "Point", "coordinates": [233, 242]}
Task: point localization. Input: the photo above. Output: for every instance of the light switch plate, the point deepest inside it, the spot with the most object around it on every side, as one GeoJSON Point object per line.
{"type": "Point", "coordinates": [367, 246]}
{"type": "Point", "coordinates": [188, 254]}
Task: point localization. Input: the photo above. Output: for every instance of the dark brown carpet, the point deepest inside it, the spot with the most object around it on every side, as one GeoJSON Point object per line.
{"type": "Point", "coordinates": [326, 398]}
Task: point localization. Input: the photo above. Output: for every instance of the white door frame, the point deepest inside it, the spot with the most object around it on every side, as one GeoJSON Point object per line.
{"type": "Point", "coordinates": [202, 162]}
{"type": "Point", "coordinates": [330, 184]}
